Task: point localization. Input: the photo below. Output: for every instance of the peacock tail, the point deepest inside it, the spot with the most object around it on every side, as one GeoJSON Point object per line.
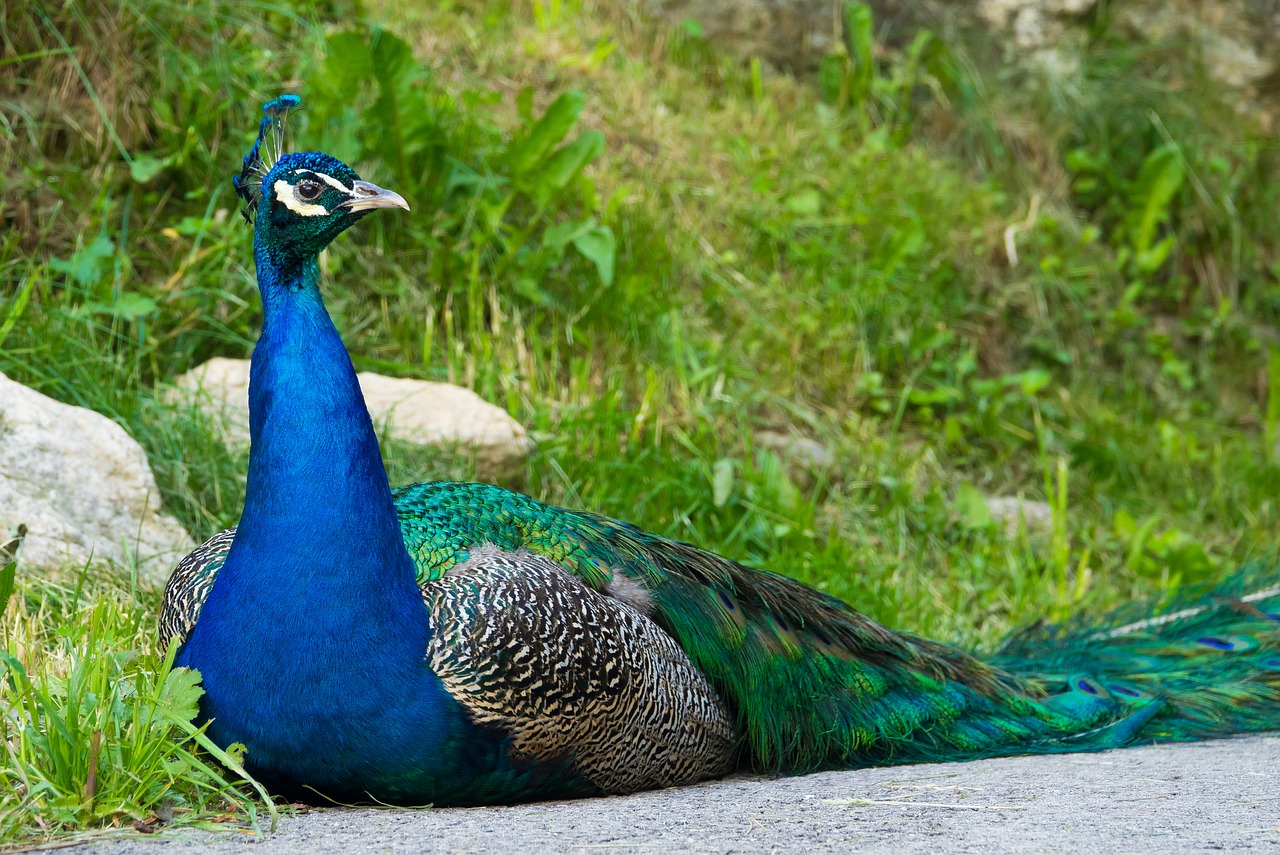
{"type": "Point", "coordinates": [1207, 658]}
{"type": "Point", "coordinates": [814, 684]}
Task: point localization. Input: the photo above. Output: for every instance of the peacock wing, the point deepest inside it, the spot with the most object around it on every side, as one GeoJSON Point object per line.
{"type": "Point", "coordinates": [811, 681]}
{"type": "Point", "coordinates": [189, 586]}
{"type": "Point", "coordinates": [573, 675]}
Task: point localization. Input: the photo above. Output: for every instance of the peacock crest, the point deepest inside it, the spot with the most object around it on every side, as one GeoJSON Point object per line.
{"type": "Point", "coordinates": [267, 150]}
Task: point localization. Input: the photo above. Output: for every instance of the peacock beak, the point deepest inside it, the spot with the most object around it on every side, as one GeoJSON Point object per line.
{"type": "Point", "coordinates": [369, 196]}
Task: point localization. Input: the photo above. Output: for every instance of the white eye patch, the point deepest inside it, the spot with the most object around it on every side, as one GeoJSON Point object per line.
{"type": "Point", "coordinates": [332, 182]}
{"type": "Point", "coordinates": [288, 195]}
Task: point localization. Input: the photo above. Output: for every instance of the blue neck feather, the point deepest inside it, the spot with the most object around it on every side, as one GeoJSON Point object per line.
{"type": "Point", "coordinates": [316, 478]}
{"type": "Point", "coordinates": [317, 488]}
{"type": "Point", "coordinates": [311, 643]}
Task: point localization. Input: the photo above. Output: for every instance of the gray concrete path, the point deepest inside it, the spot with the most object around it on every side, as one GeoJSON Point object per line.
{"type": "Point", "coordinates": [1215, 796]}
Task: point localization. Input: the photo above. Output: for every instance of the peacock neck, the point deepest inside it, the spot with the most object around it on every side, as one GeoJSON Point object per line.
{"type": "Point", "coordinates": [318, 519]}
{"type": "Point", "coordinates": [312, 442]}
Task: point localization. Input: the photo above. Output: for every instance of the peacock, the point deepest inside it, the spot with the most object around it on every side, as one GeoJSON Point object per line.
{"type": "Point", "coordinates": [461, 644]}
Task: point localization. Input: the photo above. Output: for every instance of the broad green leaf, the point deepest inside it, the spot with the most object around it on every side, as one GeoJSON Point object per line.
{"type": "Point", "coordinates": [832, 69]}
{"type": "Point", "coordinates": [89, 264]}
{"type": "Point", "coordinates": [128, 306]}
{"type": "Point", "coordinates": [397, 111]}
{"type": "Point", "coordinates": [145, 167]}
{"type": "Point", "coordinates": [528, 150]}
{"type": "Point", "coordinates": [936, 395]}
{"type": "Point", "coordinates": [529, 289]}
{"type": "Point", "coordinates": [1270, 439]}
{"type": "Point", "coordinates": [806, 203]}
{"type": "Point", "coordinates": [568, 160]}
{"type": "Point", "coordinates": [179, 700]}
{"type": "Point", "coordinates": [971, 507]}
{"type": "Point", "coordinates": [939, 61]}
{"type": "Point", "coordinates": [398, 125]}
{"type": "Point", "coordinates": [1085, 160]}
{"type": "Point", "coordinates": [237, 751]}
{"type": "Point", "coordinates": [524, 104]}
{"type": "Point", "coordinates": [347, 66]}
{"type": "Point", "coordinates": [1150, 260]}
{"type": "Point", "coordinates": [597, 246]}
{"type": "Point", "coordinates": [564, 233]}
{"type": "Point", "coordinates": [1124, 524]}
{"type": "Point", "coordinates": [923, 48]}
{"type": "Point", "coordinates": [1030, 382]}
{"type": "Point", "coordinates": [131, 306]}
{"type": "Point", "coordinates": [392, 58]}
{"type": "Point", "coordinates": [338, 90]}
{"type": "Point", "coordinates": [1162, 174]}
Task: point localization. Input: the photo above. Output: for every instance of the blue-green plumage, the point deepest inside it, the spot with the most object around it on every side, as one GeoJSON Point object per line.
{"type": "Point", "coordinates": [460, 643]}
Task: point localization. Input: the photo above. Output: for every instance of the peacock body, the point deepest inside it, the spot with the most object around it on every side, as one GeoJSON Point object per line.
{"type": "Point", "coordinates": [457, 643]}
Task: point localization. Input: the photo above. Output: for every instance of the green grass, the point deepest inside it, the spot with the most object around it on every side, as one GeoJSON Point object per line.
{"type": "Point", "coordinates": [822, 254]}
{"type": "Point", "coordinates": [98, 725]}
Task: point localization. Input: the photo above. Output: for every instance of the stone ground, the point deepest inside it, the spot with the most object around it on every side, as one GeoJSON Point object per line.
{"type": "Point", "coordinates": [1213, 796]}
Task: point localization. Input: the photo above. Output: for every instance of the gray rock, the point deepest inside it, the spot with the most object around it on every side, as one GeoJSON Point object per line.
{"type": "Point", "coordinates": [793, 34]}
{"type": "Point", "coordinates": [1041, 30]}
{"type": "Point", "coordinates": [803, 457]}
{"type": "Point", "coordinates": [82, 487]}
{"type": "Point", "coordinates": [1013, 513]}
{"type": "Point", "coordinates": [414, 411]}
{"type": "Point", "coordinates": [1238, 40]}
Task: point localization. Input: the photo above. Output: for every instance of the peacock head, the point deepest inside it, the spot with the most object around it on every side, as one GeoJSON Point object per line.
{"type": "Point", "coordinates": [299, 202]}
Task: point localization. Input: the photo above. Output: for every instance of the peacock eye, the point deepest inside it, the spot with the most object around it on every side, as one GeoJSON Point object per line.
{"type": "Point", "coordinates": [308, 190]}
